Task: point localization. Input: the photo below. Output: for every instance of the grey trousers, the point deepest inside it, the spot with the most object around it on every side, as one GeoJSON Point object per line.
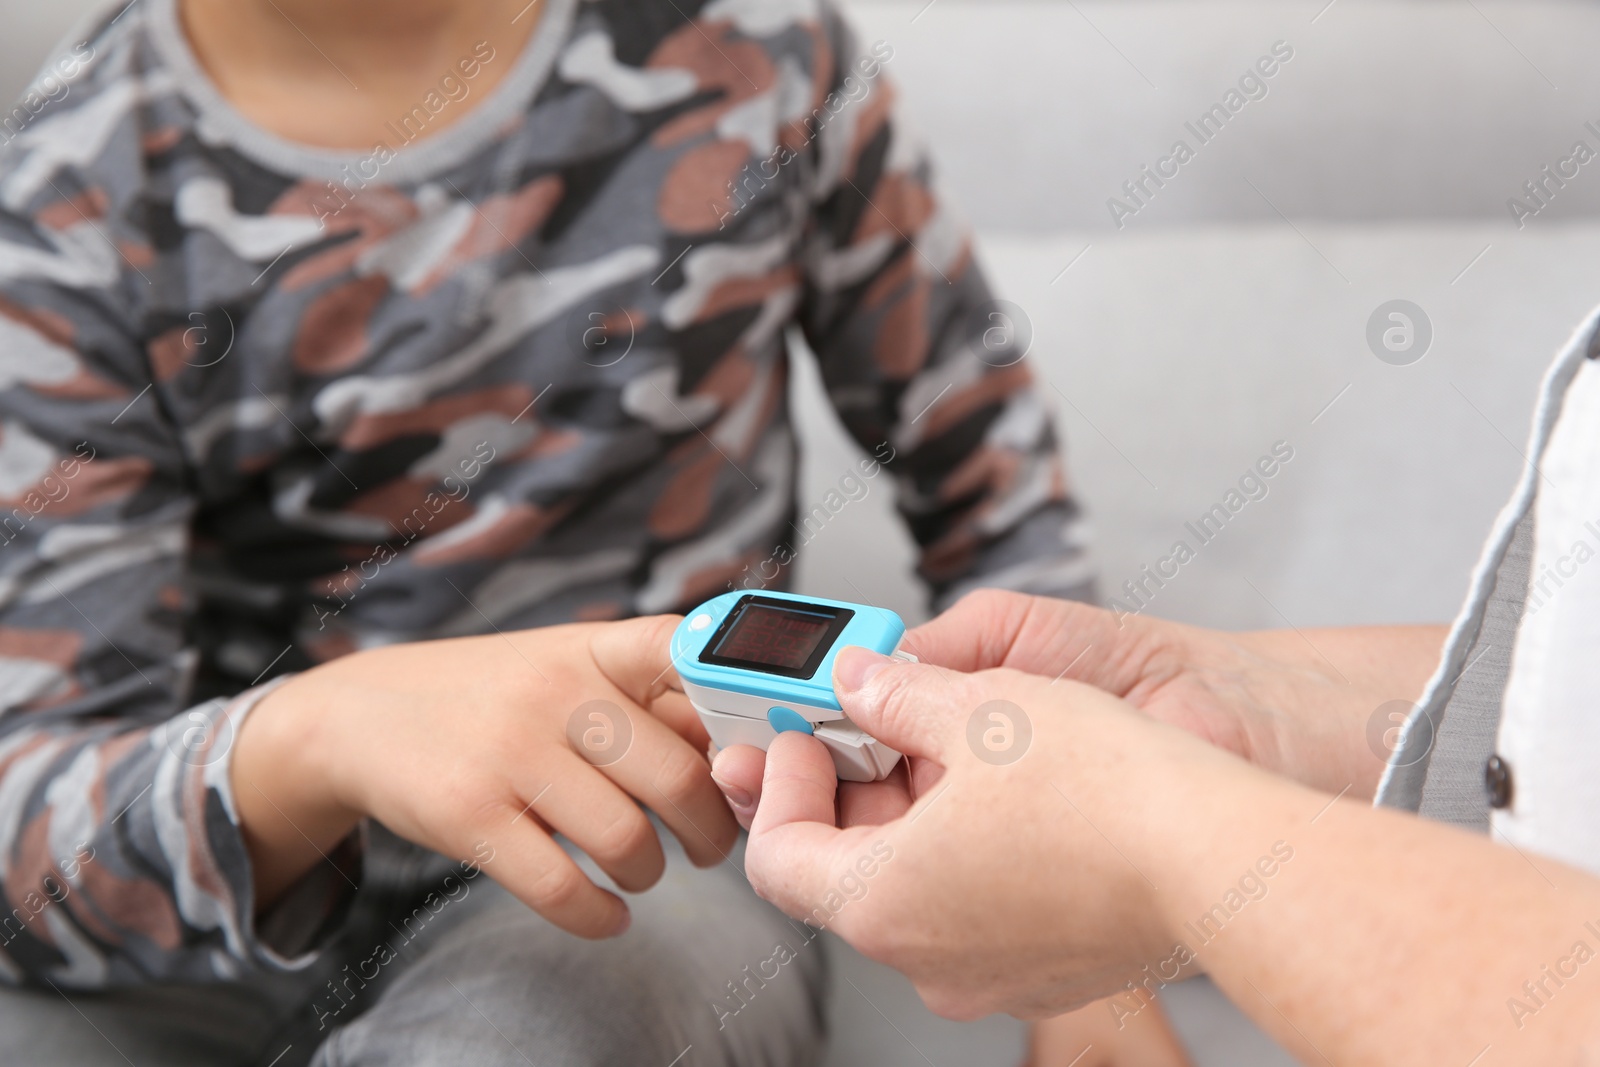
{"type": "Point", "coordinates": [707, 976]}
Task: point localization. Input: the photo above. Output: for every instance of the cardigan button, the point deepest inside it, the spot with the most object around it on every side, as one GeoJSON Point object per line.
{"type": "Point", "coordinates": [1497, 779]}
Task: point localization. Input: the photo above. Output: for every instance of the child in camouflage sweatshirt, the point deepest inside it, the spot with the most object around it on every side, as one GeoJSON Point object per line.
{"type": "Point", "coordinates": [370, 374]}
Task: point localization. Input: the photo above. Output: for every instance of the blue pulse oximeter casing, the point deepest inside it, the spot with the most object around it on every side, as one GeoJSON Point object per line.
{"type": "Point", "coordinates": [755, 665]}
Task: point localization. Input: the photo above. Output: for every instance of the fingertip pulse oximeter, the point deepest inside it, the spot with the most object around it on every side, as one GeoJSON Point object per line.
{"type": "Point", "coordinates": [755, 665]}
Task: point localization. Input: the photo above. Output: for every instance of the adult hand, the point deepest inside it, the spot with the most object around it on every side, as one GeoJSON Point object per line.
{"type": "Point", "coordinates": [1113, 850]}
{"type": "Point", "coordinates": [1296, 702]}
{"type": "Point", "coordinates": [1021, 882]}
{"type": "Point", "coordinates": [498, 740]}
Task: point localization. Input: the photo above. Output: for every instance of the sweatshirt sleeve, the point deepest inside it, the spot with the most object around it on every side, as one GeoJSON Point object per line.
{"type": "Point", "coordinates": [921, 362]}
{"type": "Point", "coordinates": [121, 858]}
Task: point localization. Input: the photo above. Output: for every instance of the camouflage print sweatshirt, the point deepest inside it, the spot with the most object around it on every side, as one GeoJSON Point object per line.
{"type": "Point", "coordinates": [262, 405]}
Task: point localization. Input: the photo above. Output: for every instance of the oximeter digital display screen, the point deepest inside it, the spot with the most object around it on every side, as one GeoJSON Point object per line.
{"type": "Point", "coordinates": [776, 636]}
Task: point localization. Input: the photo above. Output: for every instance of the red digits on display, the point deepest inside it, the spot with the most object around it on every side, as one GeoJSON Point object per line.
{"type": "Point", "coordinates": [775, 638]}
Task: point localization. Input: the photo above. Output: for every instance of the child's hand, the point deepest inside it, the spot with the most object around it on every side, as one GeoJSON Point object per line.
{"type": "Point", "coordinates": [489, 743]}
{"type": "Point", "coordinates": [1130, 1030]}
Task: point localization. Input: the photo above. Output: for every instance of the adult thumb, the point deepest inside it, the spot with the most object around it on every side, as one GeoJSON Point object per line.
{"type": "Point", "coordinates": [915, 708]}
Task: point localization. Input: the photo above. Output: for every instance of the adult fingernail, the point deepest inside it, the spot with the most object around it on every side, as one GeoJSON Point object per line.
{"type": "Point", "coordinates": [855, 667]}
{"type": "Point", "coordinates": [739, 798]}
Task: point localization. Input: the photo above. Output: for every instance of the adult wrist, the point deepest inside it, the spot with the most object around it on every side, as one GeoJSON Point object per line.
{"type": "Point", "coordinates": [1228, 833]}
{"type": "Point", "coordinates": [1327, 697]}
